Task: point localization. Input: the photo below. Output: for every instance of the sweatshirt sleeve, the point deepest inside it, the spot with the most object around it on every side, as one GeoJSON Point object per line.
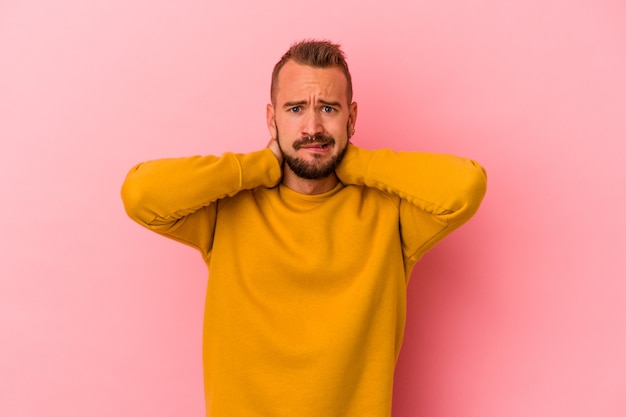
{"type": "Point", "coordinates": [437, 193]}
{"type": "Point", "coordinates": [177, 197]}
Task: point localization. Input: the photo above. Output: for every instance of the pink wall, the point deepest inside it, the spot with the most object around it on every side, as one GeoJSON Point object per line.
{"type": "Point", "coordinates": [520, 313]}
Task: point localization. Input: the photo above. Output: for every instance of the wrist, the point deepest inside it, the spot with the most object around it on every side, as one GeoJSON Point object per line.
{"type": "Point", "coordinates": [275, 148]}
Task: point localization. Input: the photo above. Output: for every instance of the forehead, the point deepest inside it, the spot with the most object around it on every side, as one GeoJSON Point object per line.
{"type": "Point", "coordinates": [297, 81]}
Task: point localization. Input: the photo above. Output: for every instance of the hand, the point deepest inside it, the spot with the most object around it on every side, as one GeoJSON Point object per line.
{"type": "Point", "coordinates": [273, 146]}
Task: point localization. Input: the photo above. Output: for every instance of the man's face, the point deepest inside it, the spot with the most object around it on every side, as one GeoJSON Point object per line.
{"type": "Point", "coordinates": [311, 118]}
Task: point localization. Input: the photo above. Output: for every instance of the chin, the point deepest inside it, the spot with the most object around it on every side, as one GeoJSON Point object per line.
{"type": "Point", "coordinates": [315, 169]}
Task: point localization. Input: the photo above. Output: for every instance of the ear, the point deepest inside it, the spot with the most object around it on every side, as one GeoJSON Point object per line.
{"type": "Point", "coordinates": [352, 117]}
{"type": "Point", "coordinates": [271, 121]}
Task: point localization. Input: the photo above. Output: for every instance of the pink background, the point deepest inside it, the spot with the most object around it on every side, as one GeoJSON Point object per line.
{"type": "Point", "coordinates": [520, 313]}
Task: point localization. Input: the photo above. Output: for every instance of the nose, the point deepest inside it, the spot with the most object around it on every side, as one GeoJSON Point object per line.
{"type": "Point", "coordinates": [312, 124]}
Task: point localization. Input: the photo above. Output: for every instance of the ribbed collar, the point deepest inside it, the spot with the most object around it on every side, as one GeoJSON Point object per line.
{"type": "Point", "coordinates": [292, 196]}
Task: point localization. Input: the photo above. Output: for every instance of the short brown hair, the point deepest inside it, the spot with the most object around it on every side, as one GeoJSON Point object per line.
{"type": "Point", "coordinates": [314, 53]}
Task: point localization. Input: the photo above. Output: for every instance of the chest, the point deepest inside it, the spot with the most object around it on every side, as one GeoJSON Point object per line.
{"type": "Point", "coordinates": [336, 234]}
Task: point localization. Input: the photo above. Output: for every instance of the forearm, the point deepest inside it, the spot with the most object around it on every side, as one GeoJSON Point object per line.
{"type": "Point", "coordinates": [160, 192]}
{"type": "Point", "coordinates": [445, 186]}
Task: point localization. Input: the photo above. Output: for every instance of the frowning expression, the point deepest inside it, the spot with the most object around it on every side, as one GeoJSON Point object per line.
{"type": "Point", "coordinates": [311, 118]}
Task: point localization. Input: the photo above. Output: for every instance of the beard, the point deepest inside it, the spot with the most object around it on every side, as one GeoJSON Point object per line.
{"type": "Point", "coordinates": [313, 170]}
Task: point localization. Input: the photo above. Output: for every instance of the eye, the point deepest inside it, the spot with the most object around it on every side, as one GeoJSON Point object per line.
{"type": "Point", "coordinates": [295, 109]}
{"type": "Point", "coordinates": [327, 109]}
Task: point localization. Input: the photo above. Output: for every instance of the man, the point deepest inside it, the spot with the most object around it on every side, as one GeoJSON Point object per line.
{"type": "Point", "coordinates": [309, 244]}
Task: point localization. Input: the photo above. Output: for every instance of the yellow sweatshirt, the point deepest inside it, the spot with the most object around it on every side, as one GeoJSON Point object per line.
{"type": "Point", "coordinates": [305, 304]}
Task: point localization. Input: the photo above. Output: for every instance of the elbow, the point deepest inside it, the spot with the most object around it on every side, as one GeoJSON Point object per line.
{"type": "Point", "coordinates": [129, 199]}
{"type": "Point", "coordinates": [133, 197]}
{"type": "Point", "coordinates": [475, 188]}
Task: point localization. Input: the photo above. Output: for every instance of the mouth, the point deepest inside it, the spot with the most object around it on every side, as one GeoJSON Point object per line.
{"type": "Point", "coordinates": [317, 149]}
{"type": "Point", "coordinates": [315, 143]}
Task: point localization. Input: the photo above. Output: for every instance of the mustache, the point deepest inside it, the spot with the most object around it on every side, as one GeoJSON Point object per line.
{"type": "Point", "coordinates": [321, 139]}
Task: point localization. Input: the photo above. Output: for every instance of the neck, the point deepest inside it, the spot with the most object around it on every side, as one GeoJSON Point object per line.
{"type": "Point", "coordinates": [304, 186]}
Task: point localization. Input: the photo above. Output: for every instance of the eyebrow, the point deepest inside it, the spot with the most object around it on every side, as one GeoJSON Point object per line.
{"type": "Point", "coordinates": [294, 103]}
{"type": "Point", "coordinates": [330, 103]}
{"type": "Point", "coordinates": [303, 102]}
